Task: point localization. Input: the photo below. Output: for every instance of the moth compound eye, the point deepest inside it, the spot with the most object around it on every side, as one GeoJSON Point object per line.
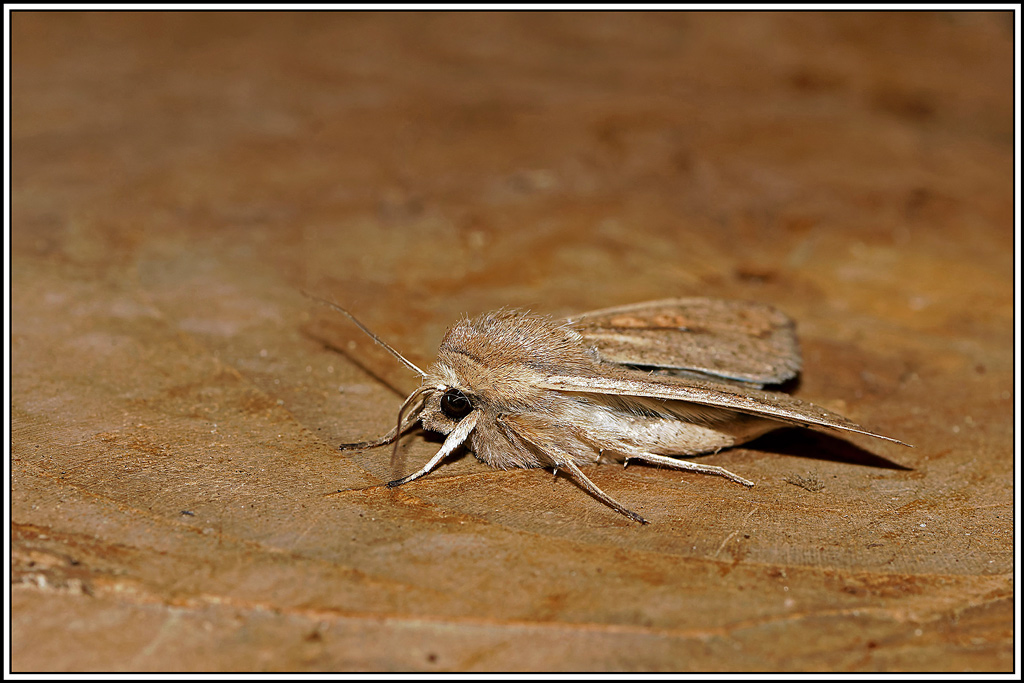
{"type": "Point", "coordinates": [455, 404]}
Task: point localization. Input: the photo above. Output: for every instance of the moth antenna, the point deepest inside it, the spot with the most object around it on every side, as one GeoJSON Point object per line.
{"type": "Point", "coordinates": [409, 364]}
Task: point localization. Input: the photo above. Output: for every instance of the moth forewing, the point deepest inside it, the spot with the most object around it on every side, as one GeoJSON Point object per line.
{"type": "Point", "coordinates": [771, 405]}
{"type": "Point", "coordinates": [740, 341]}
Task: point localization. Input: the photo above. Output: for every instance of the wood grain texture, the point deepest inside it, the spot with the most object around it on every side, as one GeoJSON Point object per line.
{"type": "Point", "coordinates": [178, 502]}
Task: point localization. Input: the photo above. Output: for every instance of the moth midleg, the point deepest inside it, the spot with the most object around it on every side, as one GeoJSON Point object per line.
{"type": "Point", "coordinates": [559, 459]}
{"type": "Point", "coordinates": [678, 464]}
{"type": "Point", "coordinates": [591, 488]}
{"type": "Point", "coordinates": [453, 441]}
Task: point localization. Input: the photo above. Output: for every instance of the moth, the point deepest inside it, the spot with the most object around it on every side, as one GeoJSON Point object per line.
{"type": "Point", "coordinates": [646, 382]}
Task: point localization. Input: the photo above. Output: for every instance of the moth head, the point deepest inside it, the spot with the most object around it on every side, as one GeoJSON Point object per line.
{"type": "Point", "coordinates": [493, 364]}
{"type": "Point", "coordinates": [445, 407]}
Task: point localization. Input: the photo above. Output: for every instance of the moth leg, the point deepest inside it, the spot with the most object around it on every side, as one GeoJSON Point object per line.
{"type": "Point", "coordinates": [366, 445]}
{"type": "Point", "coordinates": [404, 423]}
{"type": "Point", "coordinates": [516, 428]}
{"type": "Point", "coordinates": [453, 441]}
{"type": "Point", "coordinates": [591, 488]}
{"type": "Point", "coordinates": [678, 464]}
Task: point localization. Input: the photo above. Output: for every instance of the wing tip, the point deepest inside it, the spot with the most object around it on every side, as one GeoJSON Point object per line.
{"type": "Point", "coordinates": [857, 429]}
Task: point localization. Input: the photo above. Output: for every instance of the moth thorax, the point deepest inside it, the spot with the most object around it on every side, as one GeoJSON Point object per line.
{"type": "Point", "coordinates": [512, 338]}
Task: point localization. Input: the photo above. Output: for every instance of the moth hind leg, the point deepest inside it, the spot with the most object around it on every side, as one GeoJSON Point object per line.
{"type": "Point", "coordinates": [676, 463]}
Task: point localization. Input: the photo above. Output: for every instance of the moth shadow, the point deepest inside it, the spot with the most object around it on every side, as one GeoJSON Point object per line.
{"type": "Point", "coordinates": [322, 337]}
{"type": "Point", "coordinates": [790, 386]}
{"type": "Point", "coordinates": [804, 443]}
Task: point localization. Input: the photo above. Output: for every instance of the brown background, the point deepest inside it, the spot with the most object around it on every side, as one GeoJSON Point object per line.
{"type": "Point", "coordinates": [178, 502]}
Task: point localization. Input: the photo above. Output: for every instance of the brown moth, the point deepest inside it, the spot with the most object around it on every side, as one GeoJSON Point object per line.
{"type": "Point", "coordinates": [645, 382]}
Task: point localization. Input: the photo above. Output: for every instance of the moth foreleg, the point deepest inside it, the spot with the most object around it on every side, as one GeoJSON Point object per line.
{"type": "Point", "coordinates": [366, 445]}
{"type": "Point", "coordinates": [453, 441]}
{"type": "Point", "coordinates": [405, 421]}
{"type": "Point", "coordinates": [678, 464]}
{"type": "Point", "coordinates": [591, 488]}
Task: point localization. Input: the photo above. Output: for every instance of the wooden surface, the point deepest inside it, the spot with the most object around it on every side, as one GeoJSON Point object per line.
{"type": "Point", "coordinates": [178, 500]}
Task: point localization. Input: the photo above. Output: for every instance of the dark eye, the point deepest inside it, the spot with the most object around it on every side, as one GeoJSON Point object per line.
{"type": "Point", "coordinates": [455, 405]}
